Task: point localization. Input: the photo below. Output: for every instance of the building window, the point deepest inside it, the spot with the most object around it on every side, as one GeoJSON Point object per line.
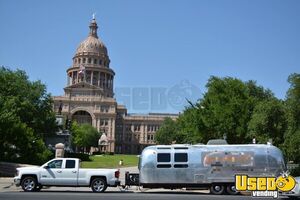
{"type": "Point", "coordinates": [150, 137]}
{"type": "Point", "coordinates": [95, 78]}
{"type": "Point", "coordinates": [88, 76]}
{"type": "Point", "coordinates": [89, 60]}
{"type": "Point", "coordinates": [79, 61]}
{"type": "Point", "coordinates": [104, 109]}
{"type": "Point", "coordinates": [83, 60]}
{"type": "Point", "coordinates": [104, 122]}
{"type": "Point", "coordinates": [128, 127]}
{"type": "Point", "coordinates": [95, 61]}
{"type": "Point", "coordinates": [100, 62]}
{"type": "Point", "coordinates": [137, 127]}
{"type": "Point", "coordinates": [152, 128]}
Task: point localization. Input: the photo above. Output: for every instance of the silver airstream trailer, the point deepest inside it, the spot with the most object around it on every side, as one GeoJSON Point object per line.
{"type": "Point", "coordinates": [205, 166]}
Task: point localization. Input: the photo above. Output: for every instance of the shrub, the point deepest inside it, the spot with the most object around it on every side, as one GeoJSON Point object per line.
{"type": "Point", "coordinates": [81, 156]}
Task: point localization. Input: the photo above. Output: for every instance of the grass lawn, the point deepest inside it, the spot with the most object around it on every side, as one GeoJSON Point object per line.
{"type": "Point", "coordinates": [110, 161]}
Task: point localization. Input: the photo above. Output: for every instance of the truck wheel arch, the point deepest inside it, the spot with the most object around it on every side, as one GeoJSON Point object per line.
{"type": "Point", "coordinates": [93, 177]}
{"type": "Point", "coordinates": [31, 175]}
{"type": "Point", "coordinates": [34, 177]}
{"type": "Point", "coordinates": [98, 183]}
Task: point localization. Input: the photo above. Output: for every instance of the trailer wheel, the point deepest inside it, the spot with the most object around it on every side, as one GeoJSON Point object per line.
{"type": "Point", "coordinates": [98, 185]}
{"type": "Point", "coordinates": [217, 189]}
{"type": "Point", "coordinates": [230, 189]}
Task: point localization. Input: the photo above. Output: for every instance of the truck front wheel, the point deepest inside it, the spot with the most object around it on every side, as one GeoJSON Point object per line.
{"type": "Point", "coordinates": [217, 189]}
{"type": "Point", "coordinates": [29, 184]}
{"type": "Point", "coordinates": [98, 185]}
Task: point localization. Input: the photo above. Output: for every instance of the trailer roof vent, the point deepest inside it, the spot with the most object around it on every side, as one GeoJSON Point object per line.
{"type": "Point", "coordinates": [217, 142]}
{"type": "Point", "coordinates": [180, 147]}
{"type": "Point", "coordinates": [163, 147]}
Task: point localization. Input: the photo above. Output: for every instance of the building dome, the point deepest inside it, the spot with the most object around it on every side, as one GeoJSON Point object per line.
{"type": "Point", "coordinates": [91, 64]}
{"type": "Point", "coordinates": [91, 45]}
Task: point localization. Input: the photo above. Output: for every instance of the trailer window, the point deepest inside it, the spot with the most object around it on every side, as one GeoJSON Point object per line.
{"type": "Point", "coordinates": [181, 157]}
{"type": "Point", "coordinates": [163, 157]}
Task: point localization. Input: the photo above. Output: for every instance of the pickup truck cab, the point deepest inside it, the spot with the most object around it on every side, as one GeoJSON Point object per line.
{"type": "Point", "coordinates": [65, 172]}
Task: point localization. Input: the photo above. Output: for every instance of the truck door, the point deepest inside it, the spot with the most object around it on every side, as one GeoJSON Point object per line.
{"type": "Point", "coordinates": [50, 173]}
{"type": "Point", "coordinates": [69, 174]}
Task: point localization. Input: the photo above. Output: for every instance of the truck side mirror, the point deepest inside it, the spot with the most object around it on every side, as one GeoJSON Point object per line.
{"type": "Point", "coordinates": [46, 167]}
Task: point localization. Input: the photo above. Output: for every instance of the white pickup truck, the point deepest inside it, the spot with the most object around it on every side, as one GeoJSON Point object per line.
{"type": "Point", "coordinates": [65, 172]}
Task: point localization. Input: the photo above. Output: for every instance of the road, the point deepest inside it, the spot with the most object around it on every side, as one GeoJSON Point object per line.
{"type": "Point", "coordinates": [62, 195]}
{"type": "Point", "coordinates": [9, 192]}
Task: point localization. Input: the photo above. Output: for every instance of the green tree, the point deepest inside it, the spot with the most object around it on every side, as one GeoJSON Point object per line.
{"type": "Point", "coordinates": [227, 107]}
{"type": "Point", "coordinates": [224, 110]}
{"type": "Point", "coordinates": [292, 136]}
{"type": "Point", "coordinates": [84, 135]}
{"type": "Point", "coordinates": [268, 121]}
{"type": "Point", "coordinates": [190, 126]}
{"type": "Point", "coordinates": [25, 117]}
{"type": "Point", "coordinates": [167, 133]}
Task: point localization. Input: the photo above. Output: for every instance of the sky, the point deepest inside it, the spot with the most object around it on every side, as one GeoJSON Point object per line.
{"type": "Point", "coordinates": [162, 51]}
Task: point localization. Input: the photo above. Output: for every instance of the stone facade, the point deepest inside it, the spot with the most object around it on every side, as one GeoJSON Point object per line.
{"type": "Point", "coordinates": [89, 98]}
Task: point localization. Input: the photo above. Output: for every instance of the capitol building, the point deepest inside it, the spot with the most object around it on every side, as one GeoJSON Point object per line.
{"type": "Point", "coordinates": [89, 98]}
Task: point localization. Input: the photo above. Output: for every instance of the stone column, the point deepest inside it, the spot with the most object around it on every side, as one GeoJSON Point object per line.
{"type": "Point", "coordinates": [77, 77]}
{"type": "Point", "coordinates": [59, 150]}
{"type": "Point", "coordinates": [99, 75]}
{"type": "Point", "coordinates": [142, 133]}
{"type": "Point", "coordinates": [98, 124]}
{"type": "Point", "coordinates": [68, 79]}
{"type": "Point", "coordinates": [109, 81]}
{"type": "Point", "coordinates": [105, 80]}
{"type": "Point", "coordinates": [94, 122]}
{"type": "Point", "coordinates": [71, 78]}
{"type": "Point", "coordinates": [113, 128]}
{"type": "Point", "coordinates": [101, 79]}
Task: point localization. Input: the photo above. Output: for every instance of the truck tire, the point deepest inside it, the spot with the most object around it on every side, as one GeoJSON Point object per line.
{"type": "Point", "coordinates": [217, 189]}
{"type": "Point", "coordinates": [98, 185]}
{"type": "Point", "coordinates": [29, 184]}
{"type": "Point", "coordinates": [230, 189]}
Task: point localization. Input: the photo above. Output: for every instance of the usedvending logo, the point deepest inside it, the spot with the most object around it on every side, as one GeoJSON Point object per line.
{"type": "Point", "coordinates": [265, 186]}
